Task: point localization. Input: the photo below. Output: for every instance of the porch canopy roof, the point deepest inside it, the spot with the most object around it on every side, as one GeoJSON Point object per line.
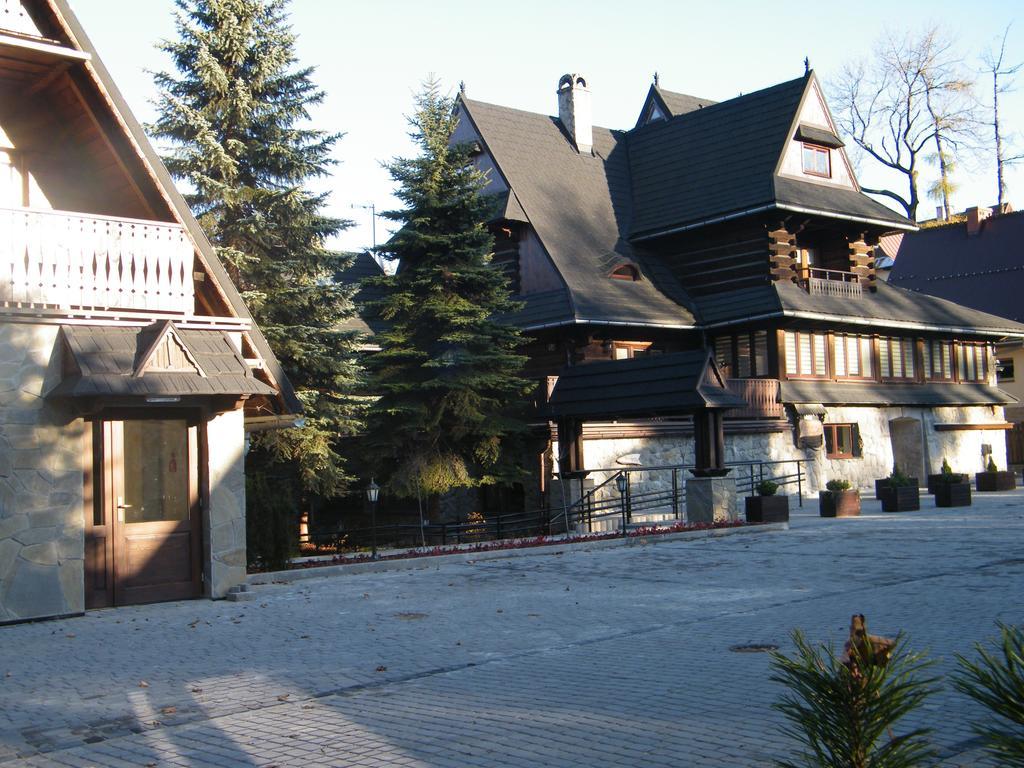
{"type": "Point", "coordinates": [653, 385]}
{"type": "Point", "coordinates": [159, 360]}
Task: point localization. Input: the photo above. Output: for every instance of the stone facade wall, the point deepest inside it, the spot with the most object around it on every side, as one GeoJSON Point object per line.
{"type": "Point", "coordinates": [224, 537]}
{"type": "Point", "coordinates": [42, 540]}
{"type": "Point", "coordinates": [962, 448]}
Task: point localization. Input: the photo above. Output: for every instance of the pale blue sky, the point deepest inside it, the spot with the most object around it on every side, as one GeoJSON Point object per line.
{"type": "Point", "coordinates": [371, 57]}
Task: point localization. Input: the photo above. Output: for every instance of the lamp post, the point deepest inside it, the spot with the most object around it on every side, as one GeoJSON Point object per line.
{"type": "Point", "coordinates": [620, 483]}
{"type": "Point", "coordinates": [372, 492]}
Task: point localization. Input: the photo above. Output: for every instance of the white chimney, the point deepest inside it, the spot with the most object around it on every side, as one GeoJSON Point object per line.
{"type": "Point", "coordinates": [574, 111]}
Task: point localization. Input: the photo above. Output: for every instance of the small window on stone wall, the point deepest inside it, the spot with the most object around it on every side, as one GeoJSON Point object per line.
{"type": "Point", "coordinates": [842, 441]}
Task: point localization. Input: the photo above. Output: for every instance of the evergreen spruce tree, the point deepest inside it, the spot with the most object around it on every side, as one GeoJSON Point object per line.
{"type": "Point", "coordinates": [233, 112]}
{"type": "Point", "coordinates": [447, 373]}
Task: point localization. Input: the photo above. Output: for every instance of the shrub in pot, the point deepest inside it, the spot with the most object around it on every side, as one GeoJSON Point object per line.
{"type": "Point", "coordinates": [943, 477]}
{"type": "Point", "coordinates": [766, 507]}
{"type": "Point", "coordinates": [994, 479]}
{"type": "Point", "coordinates": [952, 489]}
{"type": "Point", "coordinates": [883, 483]}
{"type": "Point", "coordinates": [900, 493]}
{"type": "Point", "coordinates": [839, 500]}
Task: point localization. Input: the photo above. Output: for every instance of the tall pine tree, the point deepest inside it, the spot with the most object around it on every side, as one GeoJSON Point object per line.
{"type": "Point", "coordinates": [234, 113]}
{"type": "Point", "coordinates": [447, 373]}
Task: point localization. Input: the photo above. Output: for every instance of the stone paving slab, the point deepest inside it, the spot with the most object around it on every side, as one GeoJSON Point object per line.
{"type": "Point", "coordinates": [606, 658]}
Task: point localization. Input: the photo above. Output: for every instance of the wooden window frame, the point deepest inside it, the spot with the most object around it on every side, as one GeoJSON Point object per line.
{"type": "Point", "coordinates": [631, 347]}
{"type": "Point", "coordinates": [830, 434]}
{"type": "Point", "coordinates": [792, 364]}
{"type": "Point", "coordinates": [817, 149]}
{"type": "Point", "coordinates": [928, 371]}
{"type": "Point", "coordinates": [733, 361]}
{"type": "Point", "coordinates": [1006, 363]}
{"type": "Point", "coordinates": [982, 367]}
{"type": "Point", "coordinates": [872, 357]}
{"type": "Point", "coordinates": [903, 342]}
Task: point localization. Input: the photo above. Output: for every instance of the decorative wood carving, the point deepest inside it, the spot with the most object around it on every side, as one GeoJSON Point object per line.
{"type": "Point", "coordinates": [782, 255]}
{"type": "Point", "coordinates": [862, 263]}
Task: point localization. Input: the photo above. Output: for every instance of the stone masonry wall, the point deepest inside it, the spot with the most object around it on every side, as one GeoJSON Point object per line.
{"type": "Point", "coordinates": [225, 519]}
{"type": "Point", "coordinates": [42, 539]}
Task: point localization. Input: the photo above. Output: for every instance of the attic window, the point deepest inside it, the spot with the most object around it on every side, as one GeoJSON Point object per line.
{"type": "Point", "coordinates": [817, 161]}
{"type": "Point", "coordinates": [626, 272]}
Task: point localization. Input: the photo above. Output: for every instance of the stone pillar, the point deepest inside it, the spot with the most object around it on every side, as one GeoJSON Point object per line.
{"type": "Point", "coordinates": [711, 499]}
{"type": "Point", "coordinates": [224, 518]}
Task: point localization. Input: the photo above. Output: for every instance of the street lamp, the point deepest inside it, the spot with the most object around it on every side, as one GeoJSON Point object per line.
{"type": "Point", "coordinates": [620, 483]}
{"type": "Point", "coordinates": [372, 493]}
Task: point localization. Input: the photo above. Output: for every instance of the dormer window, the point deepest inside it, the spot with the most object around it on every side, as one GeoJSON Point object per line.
{"type": "Point", "coordinates": [817, 160]}
{"type": "Point", "coordinates": [626, 272]}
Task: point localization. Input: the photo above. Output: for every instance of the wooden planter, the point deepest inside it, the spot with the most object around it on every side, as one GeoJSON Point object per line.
{"type": "Point", "coordinates": [767, 509]}
{"type": "Point", "coordinates": [1003, 480]}
{"type": "Point", "coordinates": [953, 494]}
{"type": "Point", "coordinates": [905, 498]}
{"type": "Point", "coordinates": [839, 503]}
{"type": "Point", "coordinates": [881, 485]}
{"type": "Point", "coordinates": [934, 481]}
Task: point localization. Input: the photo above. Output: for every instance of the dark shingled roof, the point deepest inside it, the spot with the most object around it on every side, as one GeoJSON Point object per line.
{"type": "Point", "coordinates": [366, 320]}
{"type": "Point", "coordinates": [833, 393]}
{"type": "Point", "coordinates": [680, 103]}
{"type": "Point", "coordinates": [679, 383]}
{"type": "Point", "coordinates": [579, 206]}
{"type": "Point", "coordinates": [104, 360]}
{"type": "Point", "coordinates": [984, 271]}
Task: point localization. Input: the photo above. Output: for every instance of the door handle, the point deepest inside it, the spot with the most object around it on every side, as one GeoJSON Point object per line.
{"type": "Point", "coordinates": [121, 507]}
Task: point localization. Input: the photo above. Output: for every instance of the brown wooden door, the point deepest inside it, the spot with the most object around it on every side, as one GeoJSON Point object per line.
{"type": "Point", "coordinates": [151, 507]}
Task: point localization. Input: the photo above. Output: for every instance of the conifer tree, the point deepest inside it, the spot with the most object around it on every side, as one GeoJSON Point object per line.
{"type": "Point", "coordinates": [448, 372]}
{"type": "Point", "coordinates": [234, 113]}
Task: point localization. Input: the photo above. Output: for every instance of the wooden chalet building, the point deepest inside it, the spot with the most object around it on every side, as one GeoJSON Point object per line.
{"type": "Point", "coordinates": [130, 369]}
{"type": "Point", "coordinates": [738, 227]}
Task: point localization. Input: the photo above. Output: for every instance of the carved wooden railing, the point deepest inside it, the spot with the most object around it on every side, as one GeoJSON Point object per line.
{"type": "Point", "coordinates": [832, 282]}
{"type": "Point", "coordinates": [762, 396]}
{"type": "Point", "coordinates": [73, 261]}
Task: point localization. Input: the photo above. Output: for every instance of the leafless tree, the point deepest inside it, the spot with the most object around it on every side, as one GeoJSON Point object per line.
{"type": "Point", "coordinates": [996, 66]}
{"type": "Point", "coordinates": [909, 97]}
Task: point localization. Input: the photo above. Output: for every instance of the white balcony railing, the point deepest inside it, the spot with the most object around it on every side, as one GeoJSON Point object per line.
{"type": "Point", "coordinates": [833, 282]}
{"type": "Point", "coordinates": [72, 261]}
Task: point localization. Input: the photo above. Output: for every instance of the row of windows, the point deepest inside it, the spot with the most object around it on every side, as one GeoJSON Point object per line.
{"type": "Point", "coordinates": [807, 357]}
{"type": "Point", "coordinates": [743, 356]}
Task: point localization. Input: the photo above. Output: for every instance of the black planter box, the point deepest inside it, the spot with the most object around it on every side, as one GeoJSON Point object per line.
{"type": "Point", "coordinates": [1003, 480]}
{"type": "Point", "coordinates": [953, 495]}
{"type": "Point", "coordinates": [881, 485]}
{"type": "Point", "coordinates": [934, 481]}
{"type": "Point", "coordinates": [905, 498]}
{"type": "Point", "coordinates": [767, 509]}
{"type": "Point", "coordinates": [839, 503]}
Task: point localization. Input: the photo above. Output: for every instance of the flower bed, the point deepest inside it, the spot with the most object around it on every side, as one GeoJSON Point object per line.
{"type": "Point", "coordinates": [525, 543]}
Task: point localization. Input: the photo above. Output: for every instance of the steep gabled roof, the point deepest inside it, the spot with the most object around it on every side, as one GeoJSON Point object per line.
{"type": "Point", "coordinates": [59, 14]}
{"type": "Point", "coordinates": [366, 320]}
{"type": "Point", "coordinates": [669, 104]}
{"type": "Point", "coordinates": [580, 206]}
{"type": "Point", "coordinates": [985, 271]}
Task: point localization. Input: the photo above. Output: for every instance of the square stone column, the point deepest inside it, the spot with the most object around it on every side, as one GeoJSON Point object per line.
{"type": "Point", "coordinates": [225, 517]}
{"type": "Point", "coordinates": [711, 499]}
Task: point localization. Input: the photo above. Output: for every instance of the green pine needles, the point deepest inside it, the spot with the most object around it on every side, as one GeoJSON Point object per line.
{"type": "Point", "coordinates": [996, 680]}
{"type": "Point", "coordinates": [233, 113]}
{"type": "Point", "coordinates": [448, 372]}
{"type": "Point", "coordinates": [844, 713]}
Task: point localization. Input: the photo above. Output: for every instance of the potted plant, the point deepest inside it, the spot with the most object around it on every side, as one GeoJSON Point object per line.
{"type": "Point", "coordinates": [766, 507]}
{"type": "Point", "coordinates": [943, 477]}
{"type": "Point", "coordinates": [883, 483]}
{"type": "Point", "coordinates": [900, 493]}
{"type": "Point", "coordinates": [953, 489]}
{"type": "Point", "coordinates": [994, 479]}
{"type": "Point", "coordinates": [839, 500]}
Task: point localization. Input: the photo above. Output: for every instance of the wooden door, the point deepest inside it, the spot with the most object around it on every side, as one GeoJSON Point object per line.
{"type": "Point", "coordinates": [150, 502]}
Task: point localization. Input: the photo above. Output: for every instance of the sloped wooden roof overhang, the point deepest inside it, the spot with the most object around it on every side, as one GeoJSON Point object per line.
{"type": "Point", "coordinates": [678, 384]}
{"type": "Point", "coordinates": [122, 366]}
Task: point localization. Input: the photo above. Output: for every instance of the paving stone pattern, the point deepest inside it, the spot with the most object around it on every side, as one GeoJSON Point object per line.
{"type": "Point", "coordinates": [608, 658]}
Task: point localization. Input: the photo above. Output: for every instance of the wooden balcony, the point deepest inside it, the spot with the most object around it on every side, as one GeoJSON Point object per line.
{"type": "Point", "coordinates": [762, 396]}
{"type": "Point", "coordinates": [832, 282]}
{"type": "Point", "coordinates": [73, 262]}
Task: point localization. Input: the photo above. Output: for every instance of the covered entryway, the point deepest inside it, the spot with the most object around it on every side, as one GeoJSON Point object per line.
{"type": "Point", "coordinates": [907, 445]}
{"type": "Point", "coordinates": [144, 544]}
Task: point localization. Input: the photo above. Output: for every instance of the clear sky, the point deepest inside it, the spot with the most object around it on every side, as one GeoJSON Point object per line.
{"type": "Point", "coordinates": [371, 57]}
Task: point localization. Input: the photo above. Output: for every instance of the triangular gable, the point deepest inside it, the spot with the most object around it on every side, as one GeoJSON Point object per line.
{"type": "Point", "coordinates": [813, 116]}
{"type": "Point", "coordinates": [167, 353]}
{"type": "Point", "coordinates": [712, 374]}
{"type": "Point", "coordinates": [155, 182]}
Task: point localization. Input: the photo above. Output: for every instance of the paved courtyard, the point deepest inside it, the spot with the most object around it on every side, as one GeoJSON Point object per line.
{"type": "Point", "coordinates": [618, 657]}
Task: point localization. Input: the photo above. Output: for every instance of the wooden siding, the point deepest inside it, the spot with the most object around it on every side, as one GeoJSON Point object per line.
{"type": "Point", "coordinates": [720, 259]}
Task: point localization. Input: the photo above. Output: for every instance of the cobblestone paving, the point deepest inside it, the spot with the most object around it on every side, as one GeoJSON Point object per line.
{"type": "Point", "coordinates": [610, 658]}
